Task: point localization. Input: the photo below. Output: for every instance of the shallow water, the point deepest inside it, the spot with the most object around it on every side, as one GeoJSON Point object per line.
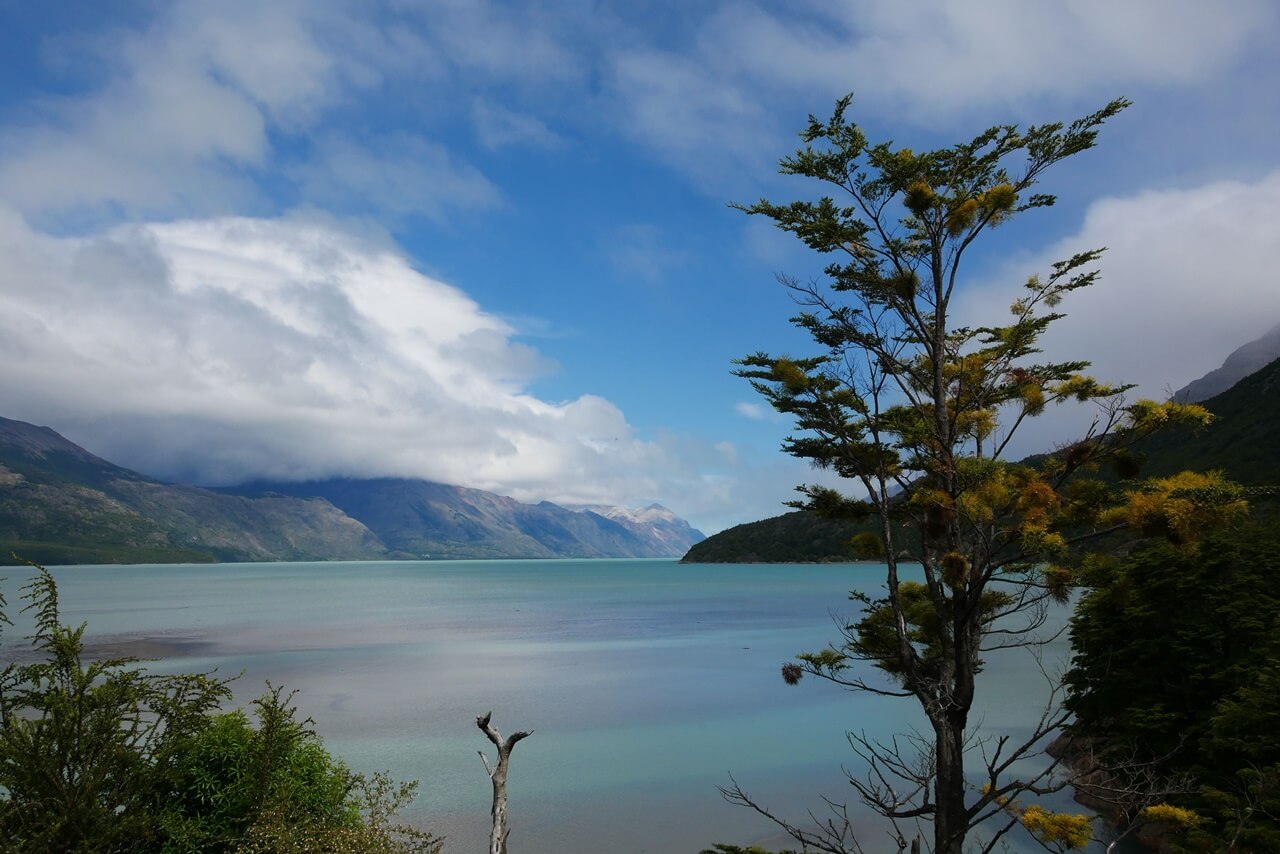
{"type": "Point", "coordinates": [647, 682]}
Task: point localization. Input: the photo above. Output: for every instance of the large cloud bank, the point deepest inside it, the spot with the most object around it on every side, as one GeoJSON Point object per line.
{"type": "Point", "coordinates": [1188, 276]}
{"type": "Point", "coordinates": [234, 348]}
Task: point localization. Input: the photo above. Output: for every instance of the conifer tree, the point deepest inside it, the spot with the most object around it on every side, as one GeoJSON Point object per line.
{"type": "Point", "coordinates": [917, 414]}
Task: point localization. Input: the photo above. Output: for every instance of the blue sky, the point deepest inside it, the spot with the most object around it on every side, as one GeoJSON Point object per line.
{"type": "Point", "coordinates": [489, 243]}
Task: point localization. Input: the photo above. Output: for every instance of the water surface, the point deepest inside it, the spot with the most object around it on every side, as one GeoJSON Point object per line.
{"type": "Point", "coordinates": [647, 682]}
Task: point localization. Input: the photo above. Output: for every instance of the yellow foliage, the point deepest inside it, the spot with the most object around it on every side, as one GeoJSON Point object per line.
{"type": "Point", "coordinates": [1037, 495]}
{"type": "Point", "coordinates": [931, 499]}
{"type": "Point", "coordinates": [1036, 540]}
{"type": "Point", "coordinates": [955, 569]}
{"type": "Point", "coordinates": [1069, 829]}
{"type": "Point", "coordinates": [1081, 387]}
{"type": "Point", "coordinates": [1032, 397]}
{"type": "Point", "coordinates": [979, 423]}
{"type": "Point", "coordinates": [919, 198]}
{"type": "Point", "coordinates": [1000, 198]}
{"type": "Point", "coordinates": [962, 217]}
{"type": "Point", "coordinates": [1058, 580]}
{"type": "Point", "coordinates": [1171, 815]}
{"type": "Point", "coordinates": [1185, 506]}
{"type": "Point", "coordinates": [789, 374]}
{"type": "Point", "coordinates": [981, 501]}
{"type": "Point", "coordinates": [1148, 415]}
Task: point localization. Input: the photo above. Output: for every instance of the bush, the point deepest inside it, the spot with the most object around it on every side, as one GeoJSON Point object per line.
{"type": "Point", "coordinates": [104, 757]}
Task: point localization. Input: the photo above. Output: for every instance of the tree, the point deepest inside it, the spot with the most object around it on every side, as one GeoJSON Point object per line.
{"type": "Point", "coordinates": [501, 825]}
{"type": "Point", "coordinates": [84, 746]}
{"type": "Point", "coordinates": [918, 413]}
{"type": "Point", "coordinates": [1177, 660]}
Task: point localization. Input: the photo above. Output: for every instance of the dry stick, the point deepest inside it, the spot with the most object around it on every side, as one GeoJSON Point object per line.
{"type": "Point", "coordinates": [498, 774]}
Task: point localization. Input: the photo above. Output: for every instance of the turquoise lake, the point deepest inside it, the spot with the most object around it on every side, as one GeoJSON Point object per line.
{"type": "Point", "coordinates": [647, 683]}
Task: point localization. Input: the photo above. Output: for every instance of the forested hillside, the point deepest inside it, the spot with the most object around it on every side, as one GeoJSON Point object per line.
{"type": "Point", "coordinates": [797, 537]}
{"type": "Point", "coordinates": [1243, 441]}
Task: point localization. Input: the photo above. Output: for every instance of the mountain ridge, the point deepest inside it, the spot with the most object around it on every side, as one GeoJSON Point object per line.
{"type": "Point", "coordinates": [60, 503]}
{"type": "Point", "coordinates": [1243, 361]}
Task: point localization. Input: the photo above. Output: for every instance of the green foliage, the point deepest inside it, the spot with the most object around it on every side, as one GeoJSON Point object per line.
{"type": "Point", "coordinates": [799, 537]}
{"type": "Point", "coordinates": [1177, 661]}
{"type": "Point", "coordinates": [103, 757]}
{"type": "Point", "coordinates": [866, 545]}
{"type": "Point", "coordinates": [79, 741]}
{"type": "Point", "coordinates": [227, 774]}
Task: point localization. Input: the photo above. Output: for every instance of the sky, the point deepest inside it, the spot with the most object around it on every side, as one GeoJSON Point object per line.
{"type": "Point", "coordinates": [491, 243]}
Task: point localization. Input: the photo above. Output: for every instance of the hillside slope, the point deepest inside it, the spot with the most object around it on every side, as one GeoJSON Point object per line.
{"type": "Point", "coordinates": [61, 504]}
{"type": "Point", "coordinates": [1245, 360]}
{"type": "Point", "coordinates": [796, 537]}
{"type": "Point", "coordinates": [1243, 441]}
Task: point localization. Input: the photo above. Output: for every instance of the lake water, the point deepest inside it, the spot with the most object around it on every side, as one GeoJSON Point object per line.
{"type": "Point", "coordinates": [647, 682]}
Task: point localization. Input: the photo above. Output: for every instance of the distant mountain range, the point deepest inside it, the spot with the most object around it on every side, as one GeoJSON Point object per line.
{"type": "Point", "coordinates": [1243, 441]}
{"type": "Point", "coordinates": [61, 504]}
{"type": "Point", "coordinates": [421, 519]}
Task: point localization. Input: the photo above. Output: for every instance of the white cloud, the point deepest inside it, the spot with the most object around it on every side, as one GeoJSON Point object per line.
{"type": "Point", "coordinates": [512, 42]}
{"type": "Point", "coordinates": [203, 111]}
{"type": "Point", "coordinates": [715, 106]}
{"type": "Point", "coordinates": [234, 348]}
{"type": "Point", "coordinates": [183, 111]}
{"type": "Point", "coordinates": [497, 127]}
{"type": "Point", "coordinates": [395, 175]}
{"type": "Point", "coordinates": [750, 410]}
{"type": "Point", "coordinates": [1188, 276]}
{"type": "Point", "coordinates": [931, 57]}
{"type": "Point", "coordinates": [694, 116]}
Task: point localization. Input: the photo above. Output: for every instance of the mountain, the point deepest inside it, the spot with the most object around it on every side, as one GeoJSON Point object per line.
{"type": "Point", "coordinates": [418, 518]}
{"type": "Point", "coordinates": [664, 529]}
{"type": "Point", "coordinates": [1244, 361]}
{"type": "Point", "coordinates": [61, 504]}
{"type": "Point", "coordinates": [797, 537]}
{"type": "Point", "coordinates": [1242, 442]}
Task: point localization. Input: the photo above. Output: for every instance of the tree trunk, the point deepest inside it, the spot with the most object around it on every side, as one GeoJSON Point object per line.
{"type": "Point", "coordinates": [498, 774]}
{"type": "Point", "coordinates": [951, 821]}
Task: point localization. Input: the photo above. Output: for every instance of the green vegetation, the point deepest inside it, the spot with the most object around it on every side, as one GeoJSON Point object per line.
{"type": "Point", "coordinates": [103, 757]}
{"type": "Point", "coordinates": [918, 412]}
{"type": "Point", "coordinates": [1242, 440]}
{"type": "Point", "coordinates": [798, 537]}
{"type": "Point", "coordinates": [1177, 664]}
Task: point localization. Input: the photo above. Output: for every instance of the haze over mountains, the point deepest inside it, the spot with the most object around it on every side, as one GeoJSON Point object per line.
{"type": "Point", "coordinates": [1244, 361]}
{"type": "Point", "coordinates": [59, 503]}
